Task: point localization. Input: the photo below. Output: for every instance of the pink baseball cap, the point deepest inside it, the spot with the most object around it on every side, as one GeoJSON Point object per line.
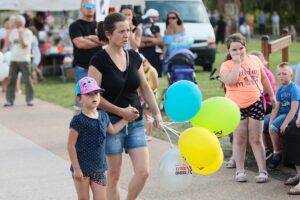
{"type": "Point", "coordinates": [86, 85]}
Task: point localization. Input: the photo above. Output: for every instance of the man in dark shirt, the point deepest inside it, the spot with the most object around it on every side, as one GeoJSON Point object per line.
{"type": "Point", "coordinates": [220, 30]}
{"type": "Point", "coordinates": [85, 41]}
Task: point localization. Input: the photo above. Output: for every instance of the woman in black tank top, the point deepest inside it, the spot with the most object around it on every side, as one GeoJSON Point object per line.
{"type": "Point", "coordinates": [118, 71]}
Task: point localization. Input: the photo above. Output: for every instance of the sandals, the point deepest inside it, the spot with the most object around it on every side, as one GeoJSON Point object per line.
{"type": "Point", "coordinates": [294, 190]}
{"type": "Point", "coordinates": [262, 177]}
{"type": "Point", "coordinates": [240, 177]}
{"type": "Point", "coordinates": [292, 180]}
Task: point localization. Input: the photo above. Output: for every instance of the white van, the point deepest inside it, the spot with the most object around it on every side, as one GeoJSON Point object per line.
{"type": "Point", "coordinates": [196, 23]}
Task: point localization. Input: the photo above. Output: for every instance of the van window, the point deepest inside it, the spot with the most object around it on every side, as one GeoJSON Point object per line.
{"type": "Point", "coordinates": [189, 11]}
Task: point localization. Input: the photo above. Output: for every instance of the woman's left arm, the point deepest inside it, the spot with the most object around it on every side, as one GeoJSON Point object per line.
{"type": "Point", "coordinates": [267, 87]}
{"type": "Point", "coordinates": [149, 98]}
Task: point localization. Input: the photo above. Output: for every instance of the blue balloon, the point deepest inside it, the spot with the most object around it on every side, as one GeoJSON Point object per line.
{"type": "Point", "coordinates": [182, 101]}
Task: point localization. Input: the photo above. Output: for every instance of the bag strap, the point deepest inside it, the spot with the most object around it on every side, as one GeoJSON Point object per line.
{"type": "Point", "coordinates": [126, 75]}
{"type": "Point", "coordinates": [253, 80]}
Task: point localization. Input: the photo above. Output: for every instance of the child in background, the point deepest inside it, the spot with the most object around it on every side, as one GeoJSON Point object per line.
{"type": "Point", "coordinates": [147, 23]}
{"type": "Point", "coordinates": [152, 79]}
{"type": "Point", "coordinates": [285, 112]}
{"type": "Point", "coordinates": [86, 143]}
{"type": "Point", "coordinates": [268, 109]}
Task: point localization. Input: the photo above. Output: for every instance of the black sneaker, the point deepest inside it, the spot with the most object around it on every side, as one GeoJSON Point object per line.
{"type": "Point", "coordinates": [269, 154]}
{"type": "Point", "coordinates": [275, 161]}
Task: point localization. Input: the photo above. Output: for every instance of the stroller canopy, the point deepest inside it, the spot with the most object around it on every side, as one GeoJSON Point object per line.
{"type": "Point", "coordinates": [182, 57]}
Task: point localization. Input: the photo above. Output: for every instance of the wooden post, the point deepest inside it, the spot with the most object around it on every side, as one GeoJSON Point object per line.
{"type": "Point", "coordinates": [285, 51]}
{"type": "Point", "coordinates": [265, 47]}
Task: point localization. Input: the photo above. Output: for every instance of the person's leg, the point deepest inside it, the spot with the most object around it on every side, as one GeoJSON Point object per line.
{"type": "Point", "coordinates": [274, 132]}
{"type": "Point", "coordinates": [13, 74]}
{"type": "Point", "coordinates": [140, 161]}
{"type": "Point", "coordinates": [82, 188]}
{"type": "Point", "coordinates": [296, 189]}
{"type": "Point", "coordinates": [240, 144]}
{"type": "Point", "coordinates": [39, 73]}
{"type": "Point", "coordinates": [113, 176]}
{"type": "Point", "coordinates": [99, 191]}
{"type": "Point", "coordinates": [26, 74]}
{"type": "Point", "coordinates": [98, 186]}
{"type": "Point", "coordinates": [255, 130]}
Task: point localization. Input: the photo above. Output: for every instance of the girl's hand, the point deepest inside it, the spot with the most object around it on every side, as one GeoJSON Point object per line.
{"type": "Point", "coordinates": [130, 113]}
{"type": "Point", "coordinates": [282, 128]}
{"type": "Point", "coordinates": [78, 175]}
{"type": "Point", "coordinates": [236, 59]}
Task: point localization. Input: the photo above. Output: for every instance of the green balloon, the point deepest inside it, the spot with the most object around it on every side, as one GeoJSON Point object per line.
{"type": "Point", "coordinates": [220, 115]}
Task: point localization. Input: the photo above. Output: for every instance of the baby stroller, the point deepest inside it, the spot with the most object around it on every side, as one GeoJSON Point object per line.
{"type": "Point", "coordinates": [179, 65]}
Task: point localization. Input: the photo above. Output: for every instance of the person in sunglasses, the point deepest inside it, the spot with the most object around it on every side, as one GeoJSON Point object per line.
{"type": "Point", "coordinates": [85, 42]}
{"type": "Point", "coordinates": [175, 36]}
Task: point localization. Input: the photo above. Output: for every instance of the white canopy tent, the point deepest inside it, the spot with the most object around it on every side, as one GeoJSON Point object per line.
{"type": "Point", "coordinates": [39, 5]}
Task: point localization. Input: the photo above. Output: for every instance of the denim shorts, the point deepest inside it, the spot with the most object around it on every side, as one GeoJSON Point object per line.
{"type": "Point", "coordinates": [277, 122]}
{"type": "Point", "coordinates": [80, 72]}
{"type": "Point", "coordinates": [130, 137]}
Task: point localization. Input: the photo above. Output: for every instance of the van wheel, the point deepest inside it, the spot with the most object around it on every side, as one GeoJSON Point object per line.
{"type": "Point", "coordinates": [207, 67]}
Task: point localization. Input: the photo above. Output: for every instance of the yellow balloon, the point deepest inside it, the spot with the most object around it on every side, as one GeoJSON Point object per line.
{"type": "Point", "coordinates": [199, 147]}
{"type": "Point", "coordinates": [211, 168]}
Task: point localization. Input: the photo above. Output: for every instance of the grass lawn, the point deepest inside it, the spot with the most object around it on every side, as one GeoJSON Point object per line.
{"type": "Point", "coordinates": [56, 91]}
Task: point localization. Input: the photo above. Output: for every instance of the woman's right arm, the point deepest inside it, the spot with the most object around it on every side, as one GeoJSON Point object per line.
{"type": "Point", "coordinates": [129, 113]}
{"type": "Point", "coordinates": [231, 77]}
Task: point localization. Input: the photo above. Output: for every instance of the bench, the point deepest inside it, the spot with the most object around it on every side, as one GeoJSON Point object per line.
{"type": "Point", "coordinates": [279, 44]}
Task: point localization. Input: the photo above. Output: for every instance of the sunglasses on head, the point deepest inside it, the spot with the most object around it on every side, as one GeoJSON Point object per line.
{"type": "Point", "coordinates": [89, 5]}
{"type": "Point", "coordinates": [172, 17]}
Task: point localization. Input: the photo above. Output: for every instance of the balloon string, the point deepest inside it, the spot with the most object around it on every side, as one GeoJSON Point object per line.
{"type": "Point", "coordinates": [172, 130]}
{"type": "Point", "coordinates": [151, 119]}
{"type": "Point", "coordinates": [163, 127]}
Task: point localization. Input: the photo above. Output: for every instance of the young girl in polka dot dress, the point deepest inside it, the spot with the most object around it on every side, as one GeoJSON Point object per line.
{"type": "Point", "coordinates": [86, 143]}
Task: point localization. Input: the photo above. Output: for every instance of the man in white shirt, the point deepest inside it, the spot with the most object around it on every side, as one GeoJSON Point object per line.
{"type": "Point", "coordinates": [19, 39]}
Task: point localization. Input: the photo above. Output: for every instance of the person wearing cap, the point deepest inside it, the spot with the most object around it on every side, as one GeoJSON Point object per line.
{"type": "Point", "coordinates": [84, 40]}
{"type": "Point", "coordinates": [120, 73]}
{"type": "Point", "coordinates": [150, 45]}
{"type": "Point", "coordinates": [86, 142]}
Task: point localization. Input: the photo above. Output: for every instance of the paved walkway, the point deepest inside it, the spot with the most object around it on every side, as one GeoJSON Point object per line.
{"type": "Point", "coordinates": [34, 162]}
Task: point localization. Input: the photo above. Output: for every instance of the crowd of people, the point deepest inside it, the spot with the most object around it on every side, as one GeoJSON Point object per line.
{"type": "Point", "coordinates": [110, 119]}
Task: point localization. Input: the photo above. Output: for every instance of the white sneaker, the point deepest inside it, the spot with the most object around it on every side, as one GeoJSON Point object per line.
{"type": "Point", "coordinates": [240, 177]}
